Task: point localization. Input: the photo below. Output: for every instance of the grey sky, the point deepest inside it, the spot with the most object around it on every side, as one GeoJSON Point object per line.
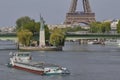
{"type": "Point", "coordinates": [53, 11]}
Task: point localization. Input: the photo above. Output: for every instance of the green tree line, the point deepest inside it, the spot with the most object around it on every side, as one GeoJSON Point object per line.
{"type": "Point", "coordinates": [100, 27]}
{"type": "Point", "coordinates": [118, 27]}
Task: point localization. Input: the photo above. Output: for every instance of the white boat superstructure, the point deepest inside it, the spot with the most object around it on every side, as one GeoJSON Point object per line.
{"type": "Point", "coordinates": [55, 70]}
{"type": "Point", "coordinates": [23, 57]}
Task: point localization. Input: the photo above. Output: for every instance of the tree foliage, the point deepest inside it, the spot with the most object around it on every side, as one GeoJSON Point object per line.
{"type": "Point", "coordinates": [106, 27]}
{"type": "Point", "coordinates": [22, 21]}
{"type": "Point", "coordinates": [24, 36]}
{"type": "Point", "coordinates": [47, 33]}
{"type": "Point", "coordinates": [57, 37]}
{"type": "Point", "coordinates": [100, 27]}
{"type": "Point", "coordinates": [74, 29]}
{"type": "Point", "coordinates": [118, 27]}
{"type": "Point", "coordinates": [30, 26]}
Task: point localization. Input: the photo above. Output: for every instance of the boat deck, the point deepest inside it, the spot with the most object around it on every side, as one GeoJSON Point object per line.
{"type": "Point", "coordinates": [39, 64]}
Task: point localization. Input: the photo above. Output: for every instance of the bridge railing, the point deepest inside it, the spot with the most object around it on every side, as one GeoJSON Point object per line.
{"type": "Point", "coordinates": [8, 34]}
{"type": "Point", "coordinates": [92, 35]}
{"type": "Point", "coordinates": [86, 33]}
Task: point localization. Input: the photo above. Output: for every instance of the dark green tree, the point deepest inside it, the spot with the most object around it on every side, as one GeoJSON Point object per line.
{"type": "Point", "coordinates": [22, 21]}
{"type": "Point", "coordinates": [106, 27]}
{"type": "Point", "coordinates": [30, 26]}
{"type": "Point", "coordinates": [118, 27]}
{"type": "Point", "coordinates": [95, 27]}
{"type": "Point", "coordinates": [47, 33]}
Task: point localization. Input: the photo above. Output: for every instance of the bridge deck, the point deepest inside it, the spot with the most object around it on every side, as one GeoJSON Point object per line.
{"type": "Point", "coordinates": [91, 36]}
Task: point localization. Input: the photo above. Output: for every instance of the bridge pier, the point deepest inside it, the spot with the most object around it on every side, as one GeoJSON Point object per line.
{"type": "Point", "coordinates": [83, 41]}
{"type": "Point", "coordinates": [89, 40]}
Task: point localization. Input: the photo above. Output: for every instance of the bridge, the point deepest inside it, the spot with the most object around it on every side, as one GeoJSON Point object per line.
{"type": "Point", "coordinates": [78, 36]}
{"type": "Point", "coordinates": [8, 36]}
{"type": "Point", "coordinates": [69, 36]}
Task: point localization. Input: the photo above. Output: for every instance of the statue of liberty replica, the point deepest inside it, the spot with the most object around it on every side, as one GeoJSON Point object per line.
{"type": "Point", "coordinates": [42, 33]}
{"type": "Point", "coordinates": [42, 45]}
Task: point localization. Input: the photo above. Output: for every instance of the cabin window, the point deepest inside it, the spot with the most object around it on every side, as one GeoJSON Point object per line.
{"type": "Point", "coordinates": [23, 55]}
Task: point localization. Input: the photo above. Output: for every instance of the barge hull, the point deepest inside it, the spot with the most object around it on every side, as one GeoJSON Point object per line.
{"type": "Point", "coordinates": [29, 70]}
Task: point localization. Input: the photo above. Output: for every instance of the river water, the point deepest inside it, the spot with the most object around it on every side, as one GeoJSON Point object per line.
{"type": "Point", "coordinates": [85, 62]}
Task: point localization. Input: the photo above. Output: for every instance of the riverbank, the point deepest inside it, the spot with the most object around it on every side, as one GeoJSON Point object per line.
{"type": "Point", "coordinates": [46, 48]}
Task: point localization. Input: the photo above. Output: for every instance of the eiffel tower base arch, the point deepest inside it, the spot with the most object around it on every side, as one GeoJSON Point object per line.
{"type": "Point", "coordinates": [76, 18]}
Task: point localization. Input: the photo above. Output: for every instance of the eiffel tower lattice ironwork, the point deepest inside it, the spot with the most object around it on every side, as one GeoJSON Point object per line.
{"type": "Point", "coordinates": [74, 17]}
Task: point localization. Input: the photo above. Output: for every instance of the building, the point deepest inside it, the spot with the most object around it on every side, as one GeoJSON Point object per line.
{"type": "Point", "coordinates": [51, 27]}
{"type": "Point", "coordinates": [8, 29]}
{"type": "Point", "coordinates": [114, 26]}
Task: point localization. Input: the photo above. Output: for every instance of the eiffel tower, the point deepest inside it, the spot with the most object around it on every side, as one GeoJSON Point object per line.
{"type": "Point", "coordinates": [75, 17]}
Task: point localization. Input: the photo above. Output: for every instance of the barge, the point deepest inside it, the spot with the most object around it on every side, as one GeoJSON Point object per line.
{"type": "Point", "coordinates": [24, 62]}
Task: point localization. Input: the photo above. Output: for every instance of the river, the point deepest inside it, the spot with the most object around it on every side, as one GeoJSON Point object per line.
{"type": "Point", "coordinates": [85, 62]}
